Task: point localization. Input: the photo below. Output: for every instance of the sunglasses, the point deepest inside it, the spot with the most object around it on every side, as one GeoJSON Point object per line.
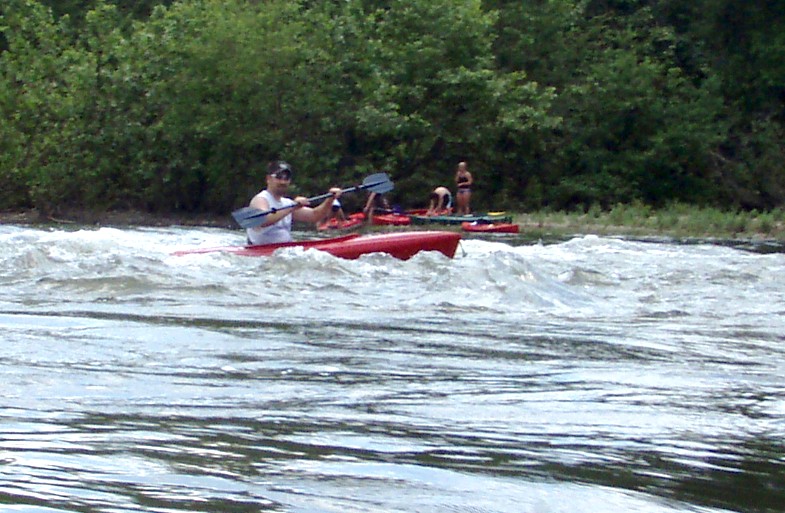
{"type": "Point", "coordinates": [283, 174]}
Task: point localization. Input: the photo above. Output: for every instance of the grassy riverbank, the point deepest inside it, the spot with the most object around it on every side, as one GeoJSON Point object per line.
{"type": "Point", "coordinates": [678, 221]}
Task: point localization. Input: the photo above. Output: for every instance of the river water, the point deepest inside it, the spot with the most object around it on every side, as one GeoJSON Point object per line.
{"type": "Point", "coordinates": [588, 375]}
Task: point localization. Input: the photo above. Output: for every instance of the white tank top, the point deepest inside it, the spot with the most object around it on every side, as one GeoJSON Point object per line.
{"type": "Point", "coordinates": [276, 232]}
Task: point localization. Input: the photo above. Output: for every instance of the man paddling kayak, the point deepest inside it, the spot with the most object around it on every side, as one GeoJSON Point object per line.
{"type": "Point", "coordinates": [277, 226]}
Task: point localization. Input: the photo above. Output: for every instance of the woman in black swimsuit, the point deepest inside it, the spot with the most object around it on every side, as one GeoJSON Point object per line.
{"type": "Point", "coordinates": [464, 181]}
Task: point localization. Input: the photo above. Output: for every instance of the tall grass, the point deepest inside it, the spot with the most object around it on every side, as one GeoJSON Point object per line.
{"type": "Point", "coordinates": [677, 220]}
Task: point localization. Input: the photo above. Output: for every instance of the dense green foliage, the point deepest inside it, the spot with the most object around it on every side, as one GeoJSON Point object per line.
{"type": "Point", "coordinates": [177, 106]}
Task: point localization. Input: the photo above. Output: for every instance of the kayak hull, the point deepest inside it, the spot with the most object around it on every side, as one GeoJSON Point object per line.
{"type": "Point", "coordinates": [490, 227]}
{"type": "Point", "coordinates": [388, 219]}
{"type": "Point", "coordinates": [399, 245]}
{"type": "Point", "coordinates": [391, 220]}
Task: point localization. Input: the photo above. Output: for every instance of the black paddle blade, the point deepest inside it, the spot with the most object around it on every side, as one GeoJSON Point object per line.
{"type": "Point", "coordinates": [245, 213]}
{"type": "Point", "coordinates": [378, 183]}
{"type": "Point", "coordinates": [249, 217]}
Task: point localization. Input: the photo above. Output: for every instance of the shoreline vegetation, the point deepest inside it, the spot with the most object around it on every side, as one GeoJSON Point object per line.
{"type": "Point", "coordinates": [179, 105]}
{"type": "Point", "coordinates": [677, 221]}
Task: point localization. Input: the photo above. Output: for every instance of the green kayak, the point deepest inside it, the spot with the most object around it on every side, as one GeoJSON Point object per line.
{"type": "Point", "coordinates": [490, 217]}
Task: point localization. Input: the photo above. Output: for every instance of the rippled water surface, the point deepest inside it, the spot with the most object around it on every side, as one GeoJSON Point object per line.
{"type": "Point", "coordinates": [592, 375]}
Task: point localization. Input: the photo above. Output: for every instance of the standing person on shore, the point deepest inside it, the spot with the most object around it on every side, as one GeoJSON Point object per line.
{"type": "Point", "coordinates": [464, 181]}
{"type": "Point", "coordinates": [440, 201]}
{"type": "Point", "coordinates": [277, 227]}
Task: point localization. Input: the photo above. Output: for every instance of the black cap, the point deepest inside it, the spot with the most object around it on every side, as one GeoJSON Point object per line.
{"type": "Point", "coordinates": [280, 169]}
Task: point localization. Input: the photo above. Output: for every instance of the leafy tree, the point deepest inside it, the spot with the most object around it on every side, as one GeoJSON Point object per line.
{"type": "Point", "coordinates": [744, 43]}
{"type": "Point", "coordinates": [77, 10]}
{"type": "Point", "coordinates": [429, 94]}
{"type": "Point", "coordinates": [38, 102]}
{"type": "Point", "coordinates": [636, 126]}
{"type": "Point", "coordinates": [230, 90]}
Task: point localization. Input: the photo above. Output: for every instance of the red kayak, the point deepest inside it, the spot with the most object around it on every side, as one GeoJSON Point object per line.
{"type": "Point", "coordinates": [338, 224]}
{"type": "Point", "coordinates": [399, 245]}
{"type": "Point", "coordinates": [490, 227]}
{"type": "Point", "coordinates": [391, 220]}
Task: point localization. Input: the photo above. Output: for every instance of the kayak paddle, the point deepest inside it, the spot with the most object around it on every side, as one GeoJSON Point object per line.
{"type": "Point", "coordinates": [249, 217]}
